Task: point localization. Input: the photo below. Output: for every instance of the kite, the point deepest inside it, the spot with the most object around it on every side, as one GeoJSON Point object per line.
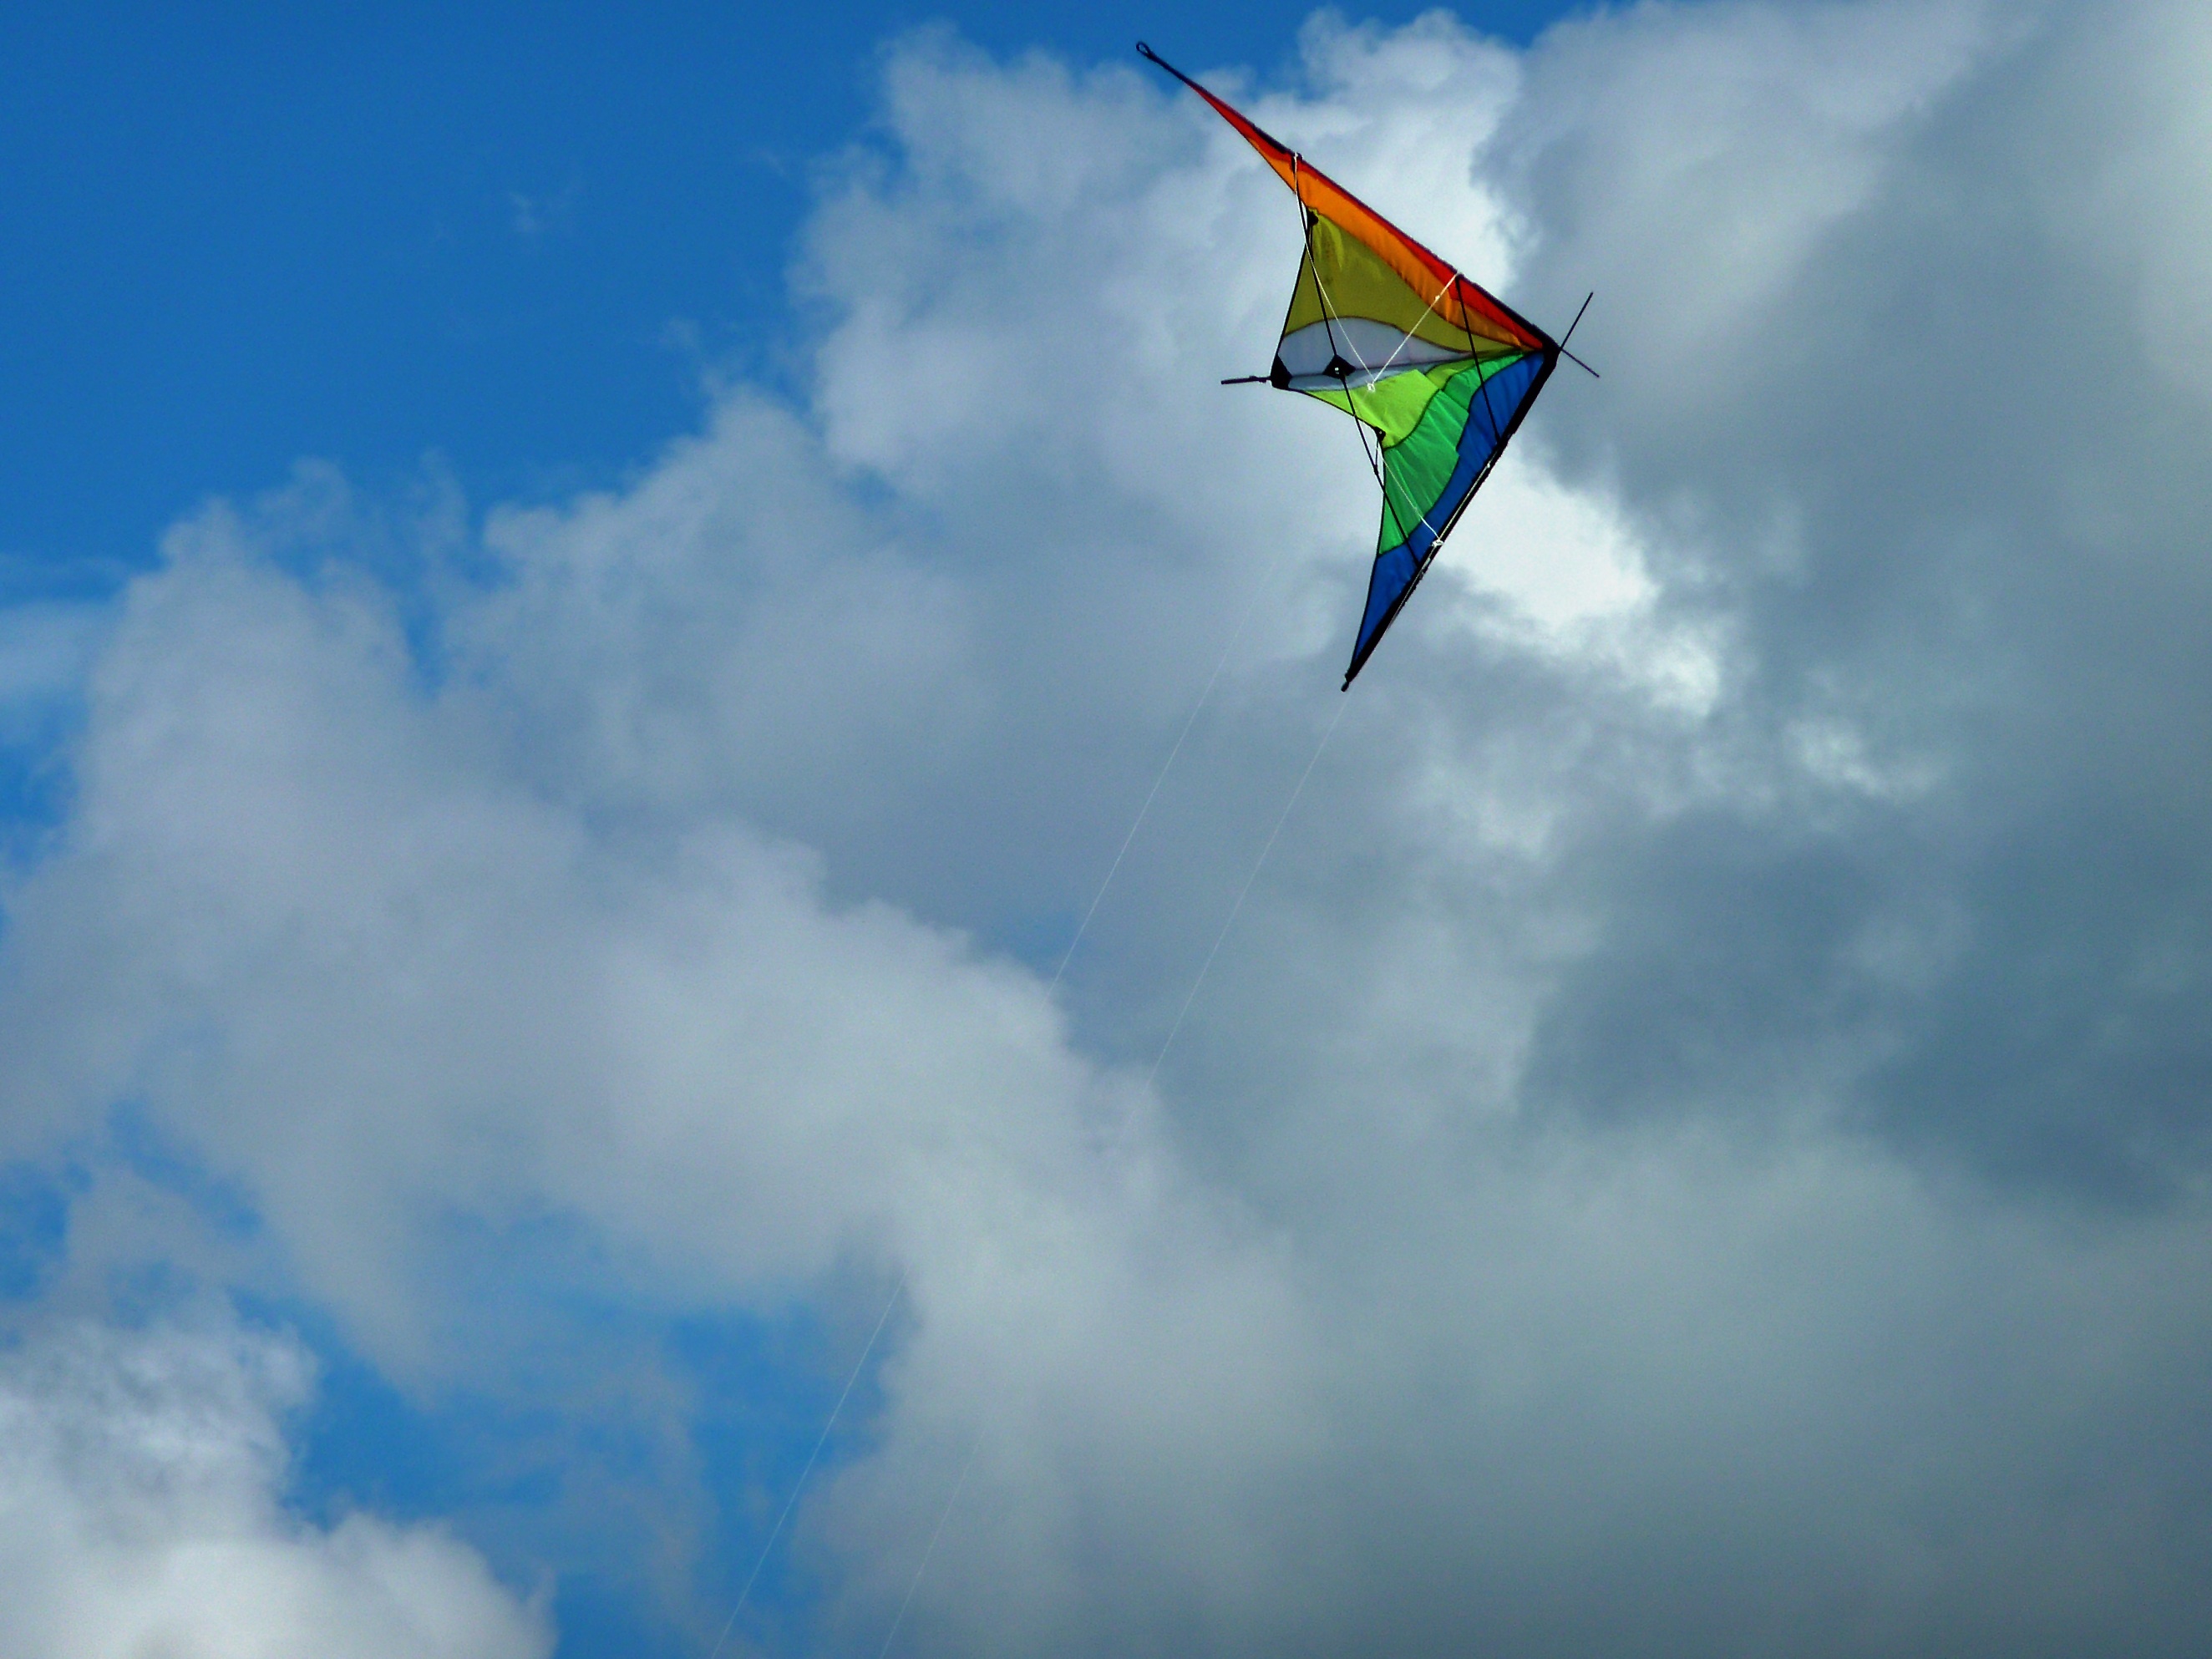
{"type": "Point", "coordinates": [1439, 371]}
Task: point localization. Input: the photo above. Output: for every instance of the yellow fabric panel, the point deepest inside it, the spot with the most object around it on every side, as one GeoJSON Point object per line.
{"type": "Point", "coordinates": [1354, 282]}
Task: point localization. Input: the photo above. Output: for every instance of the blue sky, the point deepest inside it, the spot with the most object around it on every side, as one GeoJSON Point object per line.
{"type": "Point", "coordinates": [586, 600]}
{"type": "Point", "coordinates": [513, 236]}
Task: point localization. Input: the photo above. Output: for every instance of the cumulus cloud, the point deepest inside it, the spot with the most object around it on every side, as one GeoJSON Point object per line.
{"type": "Point", "coordinates": [1697, 1139]}
{"type": "Point", "coordinates": [141, 1476]}
{"type": "Point", "coordinates": [1982, 613]}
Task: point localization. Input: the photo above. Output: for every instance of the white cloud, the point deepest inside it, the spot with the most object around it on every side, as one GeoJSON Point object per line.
{"type": "Point", "coordinates": [1698, 156]}
{"type": "Point", "coordinates": [141, 1476]}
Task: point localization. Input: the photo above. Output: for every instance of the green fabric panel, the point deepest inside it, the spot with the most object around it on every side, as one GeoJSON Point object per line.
{"type": "Point", "coordinates": [1418, 462]}
{"type": "Point", "coordinates": [1393, 406]}
{"type": "Point", "coordinates": [1416, 468]}
{"type": "Point", "coordinates": [1359, 284]}
{"type": "Point", "coordinates": [1420, 416]}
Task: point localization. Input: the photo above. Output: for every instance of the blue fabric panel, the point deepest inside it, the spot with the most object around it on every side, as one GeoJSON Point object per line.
{"type": "Point", "coordinates": [1394, 570]}
{"type": "Point", "coordinates": [1491, 413]}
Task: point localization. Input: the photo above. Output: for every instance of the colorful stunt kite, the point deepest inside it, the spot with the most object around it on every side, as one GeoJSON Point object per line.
{"type": "Point", "coordinates": [1439, 371]}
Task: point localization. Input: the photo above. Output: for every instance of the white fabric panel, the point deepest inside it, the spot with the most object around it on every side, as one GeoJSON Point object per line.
{"type": "Point", "coordinates": [1373, 351]}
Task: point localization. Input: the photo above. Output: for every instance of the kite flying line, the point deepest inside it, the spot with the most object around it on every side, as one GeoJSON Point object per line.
{"type": "Point", "coordinates": [1067, 957]}
{"type": "Point", "coordinates": [930, 1549]}
{"type": "Point", "coordinates": [1328, 731]}
{"type": "Point", "coordinates": [966, 1467]}
{"type": "Point", "coordinates": [1430, 451]}
{"type": "Point", "coordinates": [1136, 823]}
{"type": "Point", "coordinates": [799, 1486]}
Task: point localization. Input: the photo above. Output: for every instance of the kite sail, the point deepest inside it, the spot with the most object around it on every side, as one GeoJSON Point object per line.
{"type": "Point", "coordinates": [1438, 370]}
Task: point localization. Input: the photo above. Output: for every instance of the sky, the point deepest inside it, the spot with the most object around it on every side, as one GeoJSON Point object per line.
{"type": "Point", "coordinates": [522, 238]}
{"type": "Point", "coordinates": [586, 605]}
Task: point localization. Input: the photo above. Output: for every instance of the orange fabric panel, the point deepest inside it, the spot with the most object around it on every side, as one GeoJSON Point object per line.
{"type": "Point", "coordinates": [1463, 305]}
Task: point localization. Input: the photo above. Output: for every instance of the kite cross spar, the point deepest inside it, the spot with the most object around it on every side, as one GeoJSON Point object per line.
{"type": "Point", "coordinates": [1440, 370]}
